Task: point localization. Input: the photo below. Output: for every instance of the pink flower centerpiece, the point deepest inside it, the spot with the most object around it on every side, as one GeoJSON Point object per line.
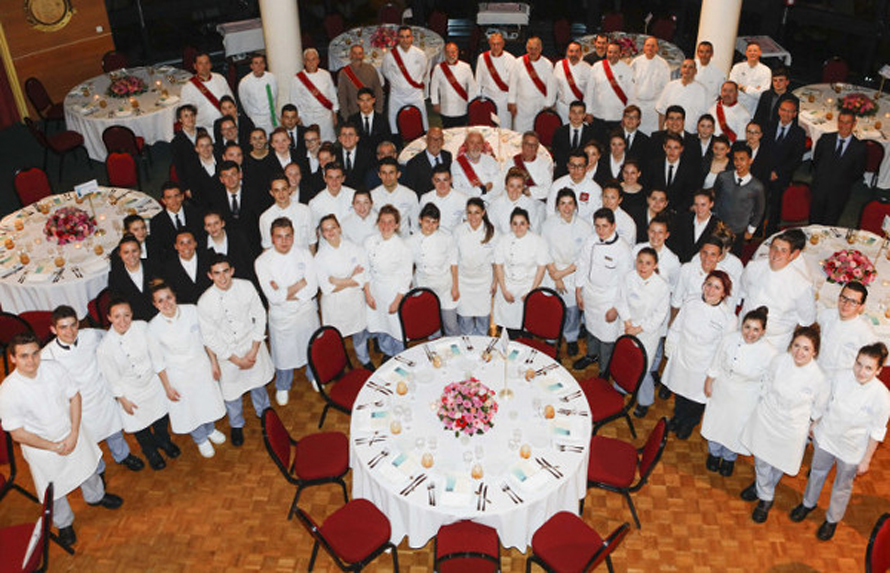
{"type": "Point", "coordinates": [849, 265]}
{"type": "Point", "coordinates": [384, 37]}
{"type": "Point", "coordinates": [69, 225]}
{"type": "Point", "coordinates": [126, 86]}
{"type": "Point", "coordinates": [628, 45]}
{"type": "Point", "coordinates": [858, 104]}
{"type": "Point", "coordinates": [467, 406]}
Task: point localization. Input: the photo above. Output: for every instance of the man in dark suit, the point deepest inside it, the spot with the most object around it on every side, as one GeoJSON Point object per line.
{"type": "Point", "coordinates": [785, 144]}
{"type": "Point", "coordinates": [838, 163]}
{"type": "Point", "coordinates": [674, 122]}
{"type": "Point", "coordinates": [356, 159]}
{"type": "Point", "coordinates": [243, 124]}
{"type": "Point", "coordinates": [175, 217]}
{"type": "Point", "coordinates": [186, 273]}
{"type": "Point", "coordinates": [691, 228]}
{"type": "Point", "coordinates": [182, 146]}
{"type": "Point", "coordinates": [739, 197]}
{"type": "Point", "coordinates": [419, 170]}
{"type": "Point", "coordinates": [238, 204]}
{"type": "Point", "coordinates": [674, 172]}
{"type": "Point", "coordinates": [289, 121]}
{"type": "Point", "coordinates": [767, 112]}
{"type": "Point", "coordinates": [384, 149]}
{"type": "Point", "coordinates": [373, 127]}
{"type": "Point", "coordinates": [570, 137]}
{"type": "Point", "coordinates": [600, 43]}
{"type": "Point", "coordinates": [228, 134]}
{"type": "Point", "coordinates": [229, 242]}
{"type": "Point", "coordinates": [637, 142]}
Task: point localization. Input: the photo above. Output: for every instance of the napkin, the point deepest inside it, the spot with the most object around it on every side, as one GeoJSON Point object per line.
{"type": "Point", "coordinates": [870, 134]}
{"type": "Point", "coordinates": [568, 428]}
{"type": "Point", "coordinates": [406, 464]}
{"type": "Point", "coordinates": [458, 492]}
{"type": "Point", "coordinates": [38, 277]}
{"type": "Point", "coordinates": [528, 475]}
{"type": "Point", "coordinates": [391, 474]}
{"type": "Point", "coordinates": [448, 350]}
{"type": "Point", "coordinates": [549, 384]}
{"type": "Point", "coordinates": [169, 100]}
{"type": "Point", "coordinates": [94, 265]}
{"type": "Point", "coordinates": [372, 419]}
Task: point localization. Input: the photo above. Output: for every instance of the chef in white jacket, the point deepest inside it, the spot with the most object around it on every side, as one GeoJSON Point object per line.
{"type": "Point", "coordinates": [516, 195]}
{"type": "Point", "coordinates": [341, 267]}
{"type": "Point", "coordinates": [571, 76]}
{"type": "Point", "coordinates": [651, 74]}
{"type": "Point", "coordinates": [538, 166]}
{"type": "Point", "coordinates": [387, 281]}
{"type": "Point", "coordinates": [407, 82]}
{"type": "Point", "coordinates": [130, 360]}
{"type": "Point", "coordinates": [844, 330]}
{"type": "Point", "coordinates": [475, 173]}
{"type": "Point", "coordinates": [520, 261]}
{"type": "Point", "coordinates": [391, 192]}
{"type": "Point", "coordinates": [795, 394]}
{"type": "Point", "coordinates": [435, 265]}
{"type": "Point", "coordinates": [451, 202]}
{"type": "Point", "coordinates": [312, 91]}
{"type": "Point", "coordinates": [752, 76]}
{"type": "Point", "coordinates": [287, 206]}
{"type": "Point", "coordinates": [588, 193]}
{"type": "Point", "coordinates": [233, 323]}
{"type": "Point", "coordinates": [475, 239]}
{"type": "Point", "coordinates": [286, 274]}
{"type": "Point", "coordinates": [493, 71]}
{"type": "Point", "coordinates": [75, 349]}
{"type": "Point", "coordinates": [192, 388]}
{"type": "Point", "coordinates": [604, 261]}
{"type": "Point", "coordinates": [532, 86]}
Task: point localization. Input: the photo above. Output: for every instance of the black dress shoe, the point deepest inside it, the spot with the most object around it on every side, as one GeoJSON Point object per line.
{"type": "Point", "coordinates": [155, 461]}
{"type": "Point", "coordinates": [132, 463]}
{"type": "Point", "coordinates": [726, 468]}
{"type": "Point", "coordinates": [67, 535]}
{"type": "Point", "coordinates": [641, 411]}
{"type": "Point", "coordinates": [572, 348]}
{"type": "Point", "coordinates": [369, 366]}
{"type": "Point", "coordinates": [761, 511]}
{"type": "Point", "coordinates": [800, 512]}
{"type": "Point", "coordinates": [664, 393]}
{"type": "Point", "coordinates": [713, 463]}
{"type": "Point", "coordinates": [672, 425]}
{"type": "Point", "coordinates": [750, 492]}
{"type": "Point", "coordinates": [171, 449]}
{"type": "Point", "coordinates": [583, 362]}
{"type": "Point", "coordinates": [826, 530]}
{"type": "Point", "coordinates": [108, 501]}
{"type": "Point", "coordinates": [237, 436]}
{"type": "Point", "coordinates": [384, 359]}
{"type": "Point", "coordinates": [683, 432]}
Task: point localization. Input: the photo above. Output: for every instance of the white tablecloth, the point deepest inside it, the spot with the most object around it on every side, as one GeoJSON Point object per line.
{"type": "Point", "coordinates": [40, 290]}
{"type": "Point", "coordinates": [830, 241]}
{"type": "Point", "coordinates": [503, 143]}
{"type": "Point", "coordinates": [503, 14]}
{"type": "Point", "coordinates": [632, 46]}
{"type": "Point", "coordinates": [769, 48]}
{"type": "Point", "coordinates": [338, 50]}
{"type": "Point", "coordinates": [153, 119]}
{"type": "Point", "coordinates": [542, 494]}
{"type": "Point", "coordinates": [242, 37]}
{"type": "Point", "coordinates": [813, 119]}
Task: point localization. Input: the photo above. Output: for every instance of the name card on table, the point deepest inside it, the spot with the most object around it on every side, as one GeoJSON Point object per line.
{"type": "Point", "coordinates": [885, 225]}
{"type": "Point", "coordinates": [85, 189]}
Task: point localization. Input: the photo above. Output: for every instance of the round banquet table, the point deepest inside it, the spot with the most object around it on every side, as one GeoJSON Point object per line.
{"type": "Point", "coordinates": [632, 46]}
{"type": "Point", "coordinates": [37, 284]}
{"type": "Point", "coordinates": [817, 100]}
{"type": "Point", "coordinates": [833, 239]}
{"type": "Point", "coordinates": [534, 493]}
{"type": "Point", "coordinates": [153, 119]}
{"type": "Point", "coordinates": [338, 50]}
{"type": "Point", "coordinates": [503, 144]}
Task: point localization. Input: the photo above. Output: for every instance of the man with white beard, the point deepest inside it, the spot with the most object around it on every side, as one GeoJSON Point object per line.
{"type": "Point", "coordinates": [651, 74]}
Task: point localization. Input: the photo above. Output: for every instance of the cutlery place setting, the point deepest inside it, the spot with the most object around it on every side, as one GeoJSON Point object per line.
{"type": "Point", "coordinates": [570, 448]}
{"type": "Point", "coordinates": [405, 361]}
{"type": "Point", "coordinates": [377, 387]}
{"type": "Point", "coordinates": [375, 438]}
{"type": "Point", "coordinates": [550, 468]}
{"type": "Point", "coordinates": [571, 412]}
{"type": "Point", "coordinates": [572, 396]}
{"type": "Point", "coordinates": [514, 497]}
{"type": "Point", "coordinates": [482, 500]}
{"type": "Point", "coordinates": [546, 369]}
{"type": "Point", "coordinates": [378, 458]}
{"type": "Point", "coordinates": [412, 485]}
{"type": "Point", "coordinates": [467, 343]}
{"type": "Point", "coordinates": [431, 493]}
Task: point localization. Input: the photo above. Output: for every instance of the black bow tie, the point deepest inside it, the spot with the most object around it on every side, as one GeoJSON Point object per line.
{"type": "Point", "coordinates": [65, 346]}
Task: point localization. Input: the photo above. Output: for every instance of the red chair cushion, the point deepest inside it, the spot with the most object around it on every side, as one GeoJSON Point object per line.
{"type": "Point", "coordinates": [356, 530]}
{"type": "Point", "coordinates": [880, 548]}
{"type": "Point", "coordinates": [539, 345]}
{"type": "Point", "coordinates": [604, 401]}
{"type": "Point", "coordinates": [64, 141]}
{"type": "Point", "coordinates": [872, 216]}
{"type": "Point", "coordinates": [612, 462]}
{"type": "Point", "coordinates": [56, 112]}
{"type": "Point", "coordinates": [140, 143]}
{"type": "Point", "coordinates": [344, 390]}
{"type": "Point", "coordinates": [322, 455]}
{"type": "Point", "coordinates": [628, 364]}
{"type": "Point", "coordinates": [13, 545]}
{"type": "Point", "coordinates": [327, 355]}
{"type": "Point", "coordinates": [466, 536]}
{"type": "Point", "coordinates": [40, 321]}
{"type": "Point", "coordinates": [565, 542]}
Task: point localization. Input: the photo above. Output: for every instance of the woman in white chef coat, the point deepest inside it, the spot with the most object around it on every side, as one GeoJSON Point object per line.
{"type": "Point", "coordinates": [733, 387]}
{"type": "Point", "coordinates": [795, 394]}
{"type": "Point", "coordinates": [388, 280]}
{"type": "Point", "coordinates": [516, 195]}
{"type": "Point", "coordinates": [520, 261]}
{"type": "Point", "coordinates": [435, 265]}
{"type": "Point", "coordinates": [476, 239]}
{"type": "Point", "coordinates": [131, 362]}
{"type": "Point", "coordinates": [690, 346]}
{"type": "Point", "coordinates": [340, 268]}
{"type": "Point", "coordinates": [855, 422]}
{"type": "Point", "coordinates": [286, 273]}
{"type": "Point", "coordinates": [644, 303]}
{"type": "Point", "coordinates": [565, 235]}
{"type": "Point", "coordinates": [192, 388]}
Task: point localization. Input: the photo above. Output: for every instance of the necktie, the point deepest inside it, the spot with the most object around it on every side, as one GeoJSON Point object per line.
{"type": "Point", "coordinates": [782, 133]}
{"type": "Point", "coordinates": [348, 161]}
{"type": "Point", "coordinates": [293, 140]}
{"type": "Point", "coordinates": [840, 147]}
{"type": "Point", "coordinates": [367, 125]}
{"type": "Point", "coordinates": [670, 177]}
{"type": "Point", "coordinates": [628, 139]}
{"type": "Point", "coordinates": [235, 209]}
{"type": "Point", "coordinates": [178, 222]}
{"type": "Point", "coordinates": [438, 161]}
{"type": "Point", "coordinates": [575, 137]}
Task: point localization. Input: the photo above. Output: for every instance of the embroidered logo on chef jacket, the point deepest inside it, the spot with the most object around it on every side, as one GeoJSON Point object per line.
{"type": "Point", "coordinates": [715, 325]}
{"type": "Point", "coordinates": [584, 197]}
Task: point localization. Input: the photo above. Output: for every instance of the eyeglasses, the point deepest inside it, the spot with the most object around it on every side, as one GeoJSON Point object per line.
{"type": "Point", "coordinates": [847, 300]}
{"type": "Point", "coordinates": [577, 166]}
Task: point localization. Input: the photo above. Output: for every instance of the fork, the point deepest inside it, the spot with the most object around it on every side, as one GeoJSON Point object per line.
{"type": "Point", "coordinates": [467, 342]}
{"type": "Point", "coordinates": [572, 396]}
{"type": "Point", "coordinates": [376, 404]}
{"type": "Point", "coordinates": [512, 494]}
{"type": "Point", "coordinates": [431, 493]}
{"type": "Point", "coordinates": [569, 448]}
{"type": "Point", "coordinates": [531, 356]}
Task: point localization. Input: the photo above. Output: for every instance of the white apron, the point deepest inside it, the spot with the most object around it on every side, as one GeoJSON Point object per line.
{"type": "Point", "coordinates": [345, 309]}
{"type": "Point", "coordinates": [565, 241]}
{"type": "Point", "coordinates": [646, 303]}
{"type": "Point", "coordinates": [389, 274]}
{"type": "Point", "coordinates": [601, 267]}
{"type": "Point", "coordinates": [474, 270]}
{"type": "Point", "coordinates": [433, 257]}
{"type": "Point", "coordinates": [520, 258]}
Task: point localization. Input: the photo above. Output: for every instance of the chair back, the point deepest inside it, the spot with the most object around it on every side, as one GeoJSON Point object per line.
{"type": "Point", "coordinates": [38, 133]}
{"type": "Point", "coordinates": [874, 156]}
{"type": "Point", "coordinates": [113, 60]}
{"type": "Point", "coordinates": [877, 555]}
{"type": "Point", "coordinates": [543, 314]}
{"type": "Point", "coordinates": [38, 559]}
{"type": "Point", "coordinates": [835, 69]}
{"type": "Point", "coordinates": [610, 544]}
{"type": "Point", "coordinates": [39, 321]}
{"type": "Point", "coordinates": [438, 23]}
{"type": "Point", "coordinates": [7, 457]}
{"type": "Point", "coordinates": [11, 324]}
{"type": "Point", "coordinates": [466, 546]}
{"type": "Point", "coordinates": [31, 185]}
{"type": "Point", "coordinates": [652, 450]}
{"type": "Point", "coordinates": [409, 121]}
{"type": "Point", "coordinates": [173, 175]}
{"type": "Point", "coordinates": [120, 139]}
{"type": "Point", "coordinates": [872, 216]}
{"type": "Point", "coordinates": [612, 22]}
{"type": "Point", "coordinates": [97, 309]}
{"type": "Point", "coordinates": [37, 95]}
{"type": "Point", "coordinates": [664, 28]}
{"type": "Point", "coordinates": [419, 314]}
{"type": "Point", "coordinates": [627, 366]}
{"type": "Point", "coordinates": [333, 25]}
{"type": "Point", "coordinates": [327, 354]}
{"type": "Point", "coordinates": [884, 376]}
{"type": "Point", "coordinates": [562, 34]}
{"type": "Point", "coordinates": [389, 13]}
{"type": "Point", "coordinates": [189, 55]}
{"type": "Point", "coordinates": [796, 204]}
{"type": "Point", "coordinates": [546, 123]}
{"type": "Point", "coordinates": [480, 110]}
{"type": "Point", "coordinates": [278, 441]}
{"type": "Point", "coordinates": [121, 170]}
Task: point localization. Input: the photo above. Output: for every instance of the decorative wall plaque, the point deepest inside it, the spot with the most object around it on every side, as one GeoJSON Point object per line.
{"type": "Point", "coordinates": [48, 15]}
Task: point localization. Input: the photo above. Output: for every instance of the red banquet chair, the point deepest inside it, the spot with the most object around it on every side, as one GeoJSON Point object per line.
{"type": "Point", "coordinates": [39, 321]}
{"type": "Point", "coordinates": [877, 555]}
{"type": "Point", "coordinates": [872, 216]}
{"type": "Point", "coordinates": [612, 22]}
{"type": "Point", "coordinates": [316, 459]}
{"type": "Point", "coordinates": [333, 25]}
{"type": "Point", "coordinates": [31, 185]}
{"type": "Point", "coordinates": [543, 318]}
{"type": "Point", "coordinates": [627, 368]}
{"type": "Point", "coordinates": [60, 143]}
{"type": "Point", "coordinates": [97, 309]}
{"type": "Point", "coordinates": [10, 325]}
{"type": "Point", "coordinates": [566, 543]}
{"type": "Point", "coordinates": [173, 175]}
{"type": "Point", "coordinates": [389, 13]}
{"type": "Point", "coordinates": [120, 139]}
{"type": "Point", "coordinates": [16, 541]}
{"type": "Point", "coordinates": [189, 55]}
{"type": "Point", "coordinates": [884, 377]}
{"type": "Point", "coordinates": [466, 546]}
{"type": "Point", "coordinates": [353, 536]}
{"type": "Point", "coordinates": [795, 205]}
{"type": "Point", "coordinates": [7, 458]}
{"type": "Point", "coordinates": [664, 28]}
{"type": "Point", "coordinates": [562, 34]}
{"type": "Point", "coordinates": [47, 109]}
{"type": "Point", "coordinates": [338, 382]}
{"type": "Point", "coordinates": [438, 22]}
{"type": "Point", "coordinates": [546, 123]}
{"type": "Point", "coordinates": [874, 156]}
{"type": "Point", "coordinates": [835, 69]}
{"type": "Point", "coordinates": [121, 170]}
{"type": "Point", "coordinates": [480, 110]}
{"type": "Point", "coordinates": [614, 464]}
{"type": "Point", "coordinates": [113, 61]}
{"type": "Point", "coordinates": [409, 122]}
{"type": "Point", "coordinates": [420, 315]}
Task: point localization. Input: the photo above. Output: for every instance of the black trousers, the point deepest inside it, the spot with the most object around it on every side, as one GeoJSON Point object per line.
{"type": "Point", "coordinates": [687, 413]}
{"type": "Point", "coordinates": [151, 437]}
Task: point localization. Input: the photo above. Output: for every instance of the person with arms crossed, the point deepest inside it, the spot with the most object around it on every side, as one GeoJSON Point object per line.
{"type": "Point", "coordinates": [752, 77]}
{"type": "Point", "coordinates": [844, 330]}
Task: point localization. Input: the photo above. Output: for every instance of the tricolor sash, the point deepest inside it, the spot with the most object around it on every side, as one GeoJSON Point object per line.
{"type": "Point", "coordinates": [536, 79]}
{"type": "Point", "coordinates": [518, 162]}
{"type": "Point", "coordinates": [721, 119]}
{"type": "Point", "coordinates": [607, 68]}
{"type": "Point", "coordinates": [493, 72]}
{"type": "Point", "coordinates": [469, 171]}
{"type": "Point", "coordinates": [205, 92]}
{"type": "Point", "coordinates": [571, 80]}
{"type": "Point", "coordinates": [353, 78]}
{"type": "Point", "coordinates": [398, 58]}
{"type": "Point", "coordinates": [307, 83]}
{"type": "Point", "coordinates": [449, 75]}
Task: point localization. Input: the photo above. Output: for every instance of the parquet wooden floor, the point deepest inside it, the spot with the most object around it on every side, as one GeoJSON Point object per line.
{"type": "Point", "coordinates": [229, 513]}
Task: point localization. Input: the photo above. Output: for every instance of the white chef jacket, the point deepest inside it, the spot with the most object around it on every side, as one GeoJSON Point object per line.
{"type": "Point", "coordinates": [565, 240]}
{"type": "Point", "coordinates": [130, 362]}
{"type": "Point", "coordinates": [520, 258]}
{"type": "Point", "coordinates": [755, 80]}
{"type": "Point", "coordinates": [300, 216]}
{"type": "Point", "coordinates": [325, 203]}
{"type": "Point", "coordinates": [501, 209]}
{"type": "Point", "coordinates": [207, 112]}
{"type": "Point", "coordinates": [504, 64]}
{"type": "Point", "coordinates": [668, 263]}
{"type": "Point", "coordinates": [787, 293]}
{"type": "Point", "coordinates": [487, 169]}
{"type": "Point", "coordinates": [389, 274]}
{"type": "Point", "coordinates": [443, 94]}
{"type": "Point", "coordinates": [403, 199]}
{"type": "Point", "coordinates": [650, 78]}
{"type": "Point", "coordinates": [41, 405]}
{"type": "Point", "coordinates": [601, 99]}
{"type": "Point", "coordinates": [433, 256]}
{"type": "Point", "coordinates": [645, 303]}
{"type": "Point", "coordinates": [475, 273]}
{"type": "Point", "coordinates": [693, 98]}
{"type": "Point", "coordinates": [564, 95]}
{"type": "Point", "coordinates": [525, 94]}
{"type": "Point", "coordinates": [692, 277]}
{"type": "Point", "coordinates": [100, 413]}
{"type": "Point", "coordinates": [711, 77]}
{"type": "Point", "coordinates": [602, 265]}
{"type": "Point", "coordinates": [855, 413]}
{"type": "Point", "coordinates": [231, 320]}
{"type": "Point", "coordinates": [255, 99]}
{"type": "Point", "coordinates": [737, 118]}
{"type": "Point", "coordinates": [402, 93]}
{"type": "Point", "coordinates": [452, 207]}
{"type": "Point", "coordinates": [541, 172]}
{"type": "Point", "coordinates": [841, 340]}
{"type": "Point", "coordinates": [188, 369]}
{"type": "Point", "coordinates": [357, 229]}
{"type": "Point", "coordinates": [345, 309]}
{"type": "Point", "coordinates": [309, 108]}
{"type": "Point", "coordinates": [588, 195]}
{"type": "Point", "coordinates": [625, 226]}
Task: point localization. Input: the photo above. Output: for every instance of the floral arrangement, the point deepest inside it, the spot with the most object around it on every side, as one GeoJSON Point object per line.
{"type": "Point", "coordinates": [384, 37]}
{"type": "Point", "coordinates": [858, 104]}
{"type": "Point", "coordinates": [629, 47]}
{"type": "Point", "coordinates": [849, 265]}
{"type": "Point", "coordinates": [126, 86]}
{"type": "Point", "coordinates": [467, 406]}
{"type": "Point", "coordinates": [69, 225]}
